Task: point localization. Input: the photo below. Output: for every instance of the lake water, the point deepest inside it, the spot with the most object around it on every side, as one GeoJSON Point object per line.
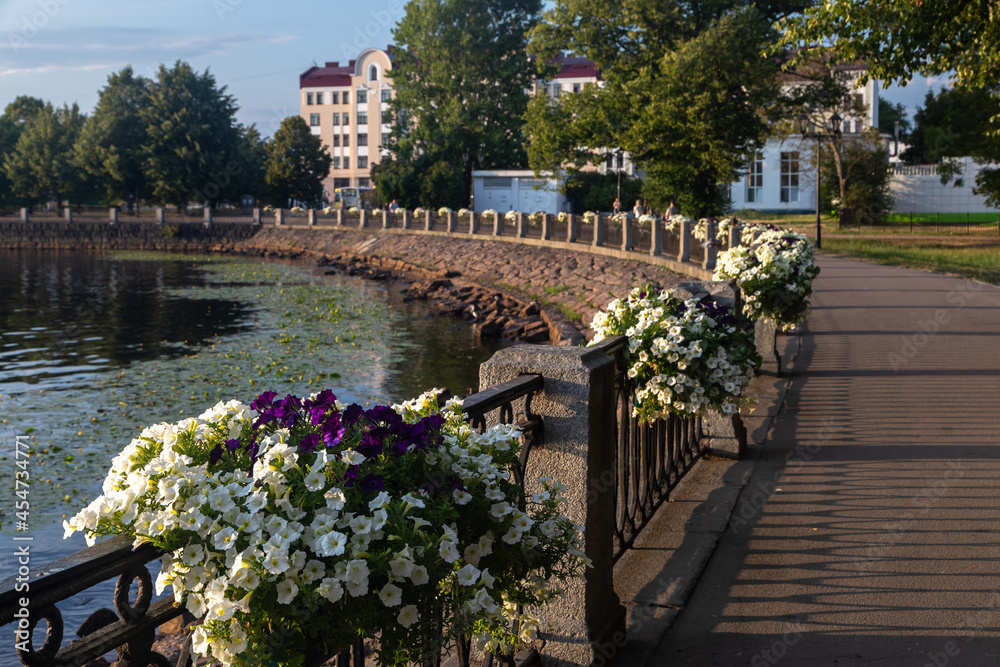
{"type": "Point", "coordinates": [93, 347]}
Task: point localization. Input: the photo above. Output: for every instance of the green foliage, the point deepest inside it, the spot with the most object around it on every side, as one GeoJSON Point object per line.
{"type": "Point", "coordinates": [460, 76]}
{"type": "Point", "coordinates": [41, 165]}
{"type": "Point", "coordinates": [888, 114]}
{"type": "Point", "coordinates": [193, 136]}
{"type": "Point", "coordinates": [865, 170]}
{"type": "Point", "coordinates": [297, 163]}
{"type": "Point", "coordinates": [591, 191]}
{"type": "Point", "coordinates": [110, 147]}
{"type": "Point", "coordinates": [898, 39]}
{"type": "Point", "coordinates": [686, 92]}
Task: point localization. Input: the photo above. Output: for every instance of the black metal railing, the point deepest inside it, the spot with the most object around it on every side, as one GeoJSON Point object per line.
{"type": "Point", "coordinates": [650, 458]}
{"type": "Point", "coordinates": [133, 632]}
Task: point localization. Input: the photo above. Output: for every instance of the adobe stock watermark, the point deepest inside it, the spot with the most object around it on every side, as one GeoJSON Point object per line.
{"type": "Point", "coordinates": [913, 343]}
{"type": "Point", "coordinates": [22, 546]}
{"type": "Point", "coordinates": [779, 648]}
{"type": "Point", "coordinates": [973, 625]}
{"type": "Point", "coordinates": [33, 23]}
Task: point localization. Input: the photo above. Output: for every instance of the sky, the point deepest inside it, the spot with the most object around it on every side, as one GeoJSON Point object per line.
{"type": "Point", "coordinates": [63, 50]}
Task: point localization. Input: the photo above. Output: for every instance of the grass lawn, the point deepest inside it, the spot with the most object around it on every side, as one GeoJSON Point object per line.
{"type": "Point", "coordinates": [968, 256]}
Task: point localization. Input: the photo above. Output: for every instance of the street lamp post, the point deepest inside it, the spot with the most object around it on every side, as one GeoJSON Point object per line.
{"type": "Point", "coordinates": [619, 163]}
{"type": "Point", "coordinates": [804, 126]}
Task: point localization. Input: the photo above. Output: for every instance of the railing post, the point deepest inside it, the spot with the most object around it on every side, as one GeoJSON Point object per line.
{"type": "Point", "coordinates": [428, 220]}
{"type": "Point", "coordinates": [363, 218]}
{"type": "Point", "coordinates": [571, 228]}
{"type": "Point", "coordinates": [598, 231]}
{"type": "Point", "coordinates": [522, 225]}
{"type": "Point", "coordinates": [735, 236]}
{"type": "Point", "coordinates": [385, 219]}
{"type": "Point", "coordinates": [255, 216]}
{"type": "Point", "coordinates": [656, 241]}
{"type": "Point", "coordinates": [311, 217]}
{"type": "Point", "coordinates": [546, 226]}
{"type": "Point", "coordinates": [450, 221]}
{"type": "Point", "coordinates": [407, 221]}
{"type": "Point", "coordinates": [340, 217]}
{"type": "Point", "coordinates": [684, 254]}
{"type": "Point", "coordinates": [68, 213]}
{"type": "Point", "coordinates": [497, 224]}
{"type": "Point", "coordinates": [473, 223]}
{"type": "Point", "coordinates": [578, 408]}
{"type": "Point", "coordinates": [208, 216]}
{"type": "Point", "coordinates": [627, 230]}
{"type": "Point", "coordinates": [161, 216]}
{"type": "Point", "coordinates": [24, 214]}
{"type": "Point", "coordinates": [279, 217]}
{"type": "Point", "coordinates": [710, 250]}
{"type": "Point", "coordinates": [113, 215]}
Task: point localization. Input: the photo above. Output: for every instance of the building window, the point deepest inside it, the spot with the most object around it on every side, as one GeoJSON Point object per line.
{"type": "Point", "coordinates": [362, 97]}
{"type": "Point", "coordinates": [362, 140]}
{"type": "Point", "coordinates": [346, 96]}
{"type": "Point", "coordinates": [319, 98]}
{"type": "Point", "coordinates": [336, 160]}
{"type": "Point", "coordinates": [373, 73]}
{"type": "Point", "coordinates": [334, 98]}
{"type": "Point", "coordinates": [336, 119]}
{"type": "Point", "coordinates": [386, 94]}
{"type": "Point", "coordinates": [576, 87]}
{"type": "Point", "coordinates": [336, 140]}
{"type": "Point", "coordinates": [790, 177]}
{"type": "Point", "coordinates": [497, 183]}
{"type": "Point", "coordinates": [386, 117]}
{"type": "Point", "coordinates": [556, 89]}
{"type": "Point", "coordinates": [362, 118]}
{"type": "Point", "coordinates": [385, 139]}
{"type": "Point", "coordinates": [364, 182]}
{"type": "Point", "coordinates": [341, 182]}
{"type": "Point", "coordinates": [309, 98]}
{"type": "Point", "coordinates": [347, 140]}
{"type": "Point", "coordinates": [755, 181]}
{"type": "Point", "coordinates": [314, 120]}
{"type": "Point", "coordinates": [347, 118]}
{"type": "Point", "coordinates": [362, 162]}
{"type": "Point", "coordinates": [347, 161]}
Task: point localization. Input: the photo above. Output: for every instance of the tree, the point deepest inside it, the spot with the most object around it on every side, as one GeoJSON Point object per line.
{"type": "Point", "coordinates": [15, 115]}
{"type": "Point", "coordinates": [889, 114]}
{"type": "Point", "coordinates": [862, 178]}
{"type": "Point", "coordinates": [193, 137]}
{"type": "Point", "coordinates": [686, 92]}
{"type": "Point", "coordinates": [41, 166]}
{"type": "Point", "coordinates": [460, 74]}
{"type": "Point", "coordinates": [591, 191]}
{"type": "Point", "coordinates": [111, 144]}
{"type": "Point", "coordinates": [898, 39]}
{"type": "Point", "coordinates": [250, 165]}
{"type": "Point", "coordinates": [297, 163]}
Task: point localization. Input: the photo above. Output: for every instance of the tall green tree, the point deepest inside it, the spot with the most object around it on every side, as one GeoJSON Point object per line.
{"type": "Point", "coordinates": [686, 92]}
{"type": "Point", "coordinates": [12, 122]}
{"type": "Point", "coordinates": [857, 178]}
{"type": "Point", "coordinates": [41, 166]}
{"type": "Point", "coordinates": [297, 163]}
{"type": "Point", "coordinates": [889, 114]}
{"type": "Point", "coordinates": [193, 137]}
{"type": "Point", "coordinates": [460, 74]}
{"type": "Point", "coordinates": [111, 144]}
{"type": "Point", "coordinates": [250, 165]}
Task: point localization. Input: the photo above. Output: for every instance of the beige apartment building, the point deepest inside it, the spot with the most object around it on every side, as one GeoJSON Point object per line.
{"type": "Point", "coordinates": [347, 108]}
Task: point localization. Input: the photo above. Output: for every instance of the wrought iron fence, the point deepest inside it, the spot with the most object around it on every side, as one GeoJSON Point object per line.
{"type": "Point", "coordinates": [651, 458]}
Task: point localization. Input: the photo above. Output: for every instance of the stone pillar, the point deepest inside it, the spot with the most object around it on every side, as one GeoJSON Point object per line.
{"type": "Point", "coordinates": [428, 220]}
{"type": "Point", "coordinates": [734, 236]}
{"type": "Point", "coordinates": [208, 216]}
{"type": "Point", "coordinates": [726, 436]}
{"type": "Point", "coordinates": [385, 218]}
{"type": "Point", "coordinates": [577, 407]}
{"type": "Point", "coordinates": [450, 221]}
{"type": "Point", "coordinates": [710, 250]}
{"type": "Point", "coordinates": [407, 221]}
{"type": "Point", "coordinates": [161, 216]}
{"type": "Point", "coordinates": [571, 227]}
{"type": "Point", "coordinates": [311, 217]}
{"type": "Point", "coordinates": [363, 218]}
{"type": "Point", "coordinates": [24, 214]}
{"type": "Point", "coordinates": [497, 223]}
{"type": "Point", "coordinates": [627, 231]}
{"type": "Point", "coordinates": [546, 226]}
{"type": "Point", "coordinates": [279, 217]}
{"type": "Point", "coordinates": [68, 213]}
{"type": "Point", "coordinates": [685, 252]}
{"type": "Point", "coordinates": [340, 217]}
{"type": "Point", "coordinates": [765, 336]}
{"type": "Point", "coordinates": [598, 231]}
{"type": "Point", "coordinates": [522, 225]}
{"type": "Point", "coordinates": [113, 215]}
{"type": "Point", "coordinates": [656, 242]}
{"type": "Point", "coordinates": [473, 223]}
{"type": "Point", "coordinates": [255, 216]}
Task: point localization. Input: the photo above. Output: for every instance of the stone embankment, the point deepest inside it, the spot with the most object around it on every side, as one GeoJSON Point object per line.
{"type": "Point", "coordinates": [567, 287]}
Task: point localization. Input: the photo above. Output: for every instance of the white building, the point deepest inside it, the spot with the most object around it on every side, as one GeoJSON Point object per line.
{"type": "Point", "coordinates": [516, 190]}
{"type": "Point", "coordinates": [783, 177]}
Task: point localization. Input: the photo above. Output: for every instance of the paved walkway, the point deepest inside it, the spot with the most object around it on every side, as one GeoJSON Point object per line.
{"type": "Point", "coordinates": [869, 530]}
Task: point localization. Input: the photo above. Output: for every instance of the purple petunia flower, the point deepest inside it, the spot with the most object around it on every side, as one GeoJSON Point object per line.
{"type": "Point", "coordinates": [309, 443]}
{"type": "Point", "coordinates": [263, 401]}
{"type": "Point", "coordinates": [372, 483]}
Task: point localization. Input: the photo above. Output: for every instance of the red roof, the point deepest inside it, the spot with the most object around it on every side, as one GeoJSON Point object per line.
{"type": "Point", "coordinates": [576, 68]}
{"type": "Point", "coordinates": [331, 74]}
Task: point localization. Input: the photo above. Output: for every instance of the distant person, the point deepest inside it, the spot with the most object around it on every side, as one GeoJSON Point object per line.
{"type": "Point", "coordinates": [393, 206]}
{"type": "Point", "coordinates": [616, 208]}
{"type": "Point", "coordinates": [637, 209]}
{"type": "Point", "coordinates": [673, 210]}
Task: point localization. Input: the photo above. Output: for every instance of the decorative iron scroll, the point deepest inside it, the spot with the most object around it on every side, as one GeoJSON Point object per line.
{"type": "Point", "coordinates": [650, 458]}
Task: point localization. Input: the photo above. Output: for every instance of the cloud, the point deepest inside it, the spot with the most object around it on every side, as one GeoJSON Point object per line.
{"type": "Point", "coordinates": [53, 69]}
